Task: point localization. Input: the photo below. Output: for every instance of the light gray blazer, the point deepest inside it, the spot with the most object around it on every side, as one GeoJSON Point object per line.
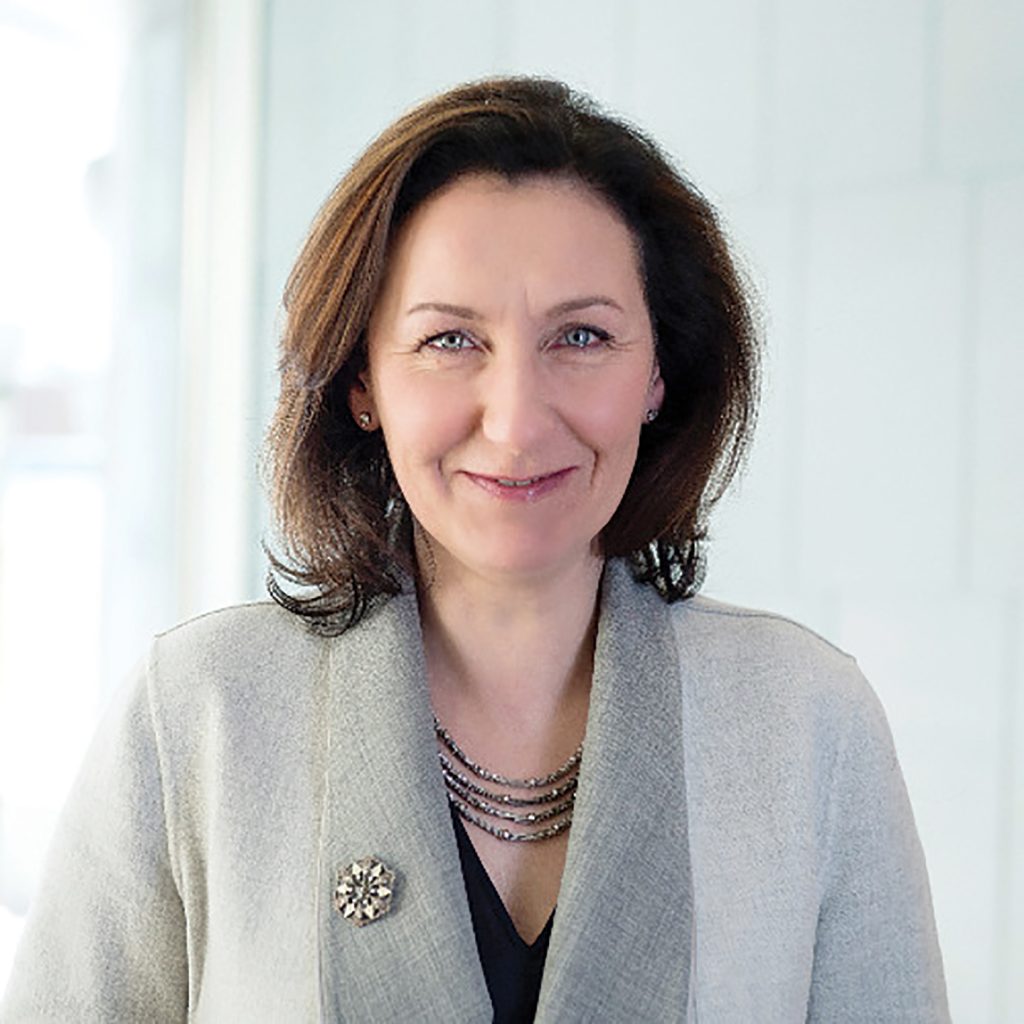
{"type": "Point", "coordinates": [743, 849]}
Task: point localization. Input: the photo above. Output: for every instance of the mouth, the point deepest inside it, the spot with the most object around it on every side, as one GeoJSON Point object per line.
{"type": "Point", "coordinates": [503, 481]}
{"type": "Point", "coordinates": [523, 487]}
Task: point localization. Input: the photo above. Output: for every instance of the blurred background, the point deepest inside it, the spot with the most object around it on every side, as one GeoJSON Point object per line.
{"type": "Point", "coordinates": [161, 161]}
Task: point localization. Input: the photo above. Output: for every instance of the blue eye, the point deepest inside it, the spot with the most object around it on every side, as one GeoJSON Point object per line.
{"type": "Point", "coordinates": [584, 337]}
{"type": "Point", "coordinates": [449, 341]}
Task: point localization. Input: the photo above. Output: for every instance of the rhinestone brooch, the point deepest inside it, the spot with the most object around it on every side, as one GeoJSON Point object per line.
{"type": "Point", "coordinates": [364, 891]}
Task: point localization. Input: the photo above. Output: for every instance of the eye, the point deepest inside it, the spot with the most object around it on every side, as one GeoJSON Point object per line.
{"type": "Point", "coordinates": [583, 337]}
{"type": "Point", "coordinates": [448, 341]}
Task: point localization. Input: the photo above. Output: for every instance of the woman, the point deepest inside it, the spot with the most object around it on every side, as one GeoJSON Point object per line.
{"type": "Point", "coordinates": [488, 757]}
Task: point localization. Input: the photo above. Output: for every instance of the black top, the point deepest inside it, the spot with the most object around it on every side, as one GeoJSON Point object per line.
{"type": "Point", "coordinates": [512, 968]}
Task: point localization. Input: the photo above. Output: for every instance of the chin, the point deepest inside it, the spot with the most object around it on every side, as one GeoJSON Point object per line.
{"type": "Point", "coordinates": [533, 560]}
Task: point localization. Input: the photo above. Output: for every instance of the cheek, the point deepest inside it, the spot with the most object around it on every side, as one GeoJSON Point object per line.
{"type": "Point", "coordinates": [420, 420]}
{"type": "Point", "coordinates": [614, 419]}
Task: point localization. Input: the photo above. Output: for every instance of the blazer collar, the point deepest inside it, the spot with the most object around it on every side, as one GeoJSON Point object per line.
{"type": "Point", "coordinates": [620, 947]}
{"type": "Point", "coordinates": [621, 944]}
{"type": "Point", "coordinates": [384, 797]}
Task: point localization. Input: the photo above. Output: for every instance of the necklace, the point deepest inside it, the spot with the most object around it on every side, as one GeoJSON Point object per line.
{"type": "Point", "coordinates": [470, 799]}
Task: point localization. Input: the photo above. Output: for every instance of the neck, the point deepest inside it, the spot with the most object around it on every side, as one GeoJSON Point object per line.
{"type": "Point", "coordinates": [512, 650]}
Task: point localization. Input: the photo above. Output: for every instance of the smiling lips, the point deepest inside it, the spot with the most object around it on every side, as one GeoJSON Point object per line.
{"type": "Point", "coordinates": [528, 488]}
{"type": "Point", "coordinates": [505, 482]}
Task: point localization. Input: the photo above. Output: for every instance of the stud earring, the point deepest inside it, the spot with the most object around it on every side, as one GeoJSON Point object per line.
{"type": "Point", "coordinates": [652, 415]}
{"type": "Point", "coordinates": [365, 420]}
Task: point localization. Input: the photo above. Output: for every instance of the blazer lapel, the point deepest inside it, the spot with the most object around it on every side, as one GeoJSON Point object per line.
{"type": "Point", "coordinates": [384, 797]}
{"type": "Point", "coordinates": [621, 944]}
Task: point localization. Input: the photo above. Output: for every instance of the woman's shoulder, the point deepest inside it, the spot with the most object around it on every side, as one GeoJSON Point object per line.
{"type": "Point", "coordinates": [244, 655]}
{"type": "Point", "coordinates": [754, 630]}
{"type": "Point", "coordinates": [234, 637]}
{"type": "Point", "coordinates": [750, 659]}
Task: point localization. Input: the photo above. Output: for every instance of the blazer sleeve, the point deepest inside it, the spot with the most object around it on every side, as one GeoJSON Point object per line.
{"type": "Point", "coordinates": [876, 951]}
{"type": "Point", "coordinates": [105, 939]}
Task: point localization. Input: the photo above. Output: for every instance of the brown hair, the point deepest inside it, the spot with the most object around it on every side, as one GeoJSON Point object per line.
{"type": "Point", "coordinates": [344, 527]}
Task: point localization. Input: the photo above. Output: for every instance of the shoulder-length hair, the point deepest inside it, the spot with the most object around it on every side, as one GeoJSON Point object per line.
{"type": "Point", "coordinates": [344, 529]}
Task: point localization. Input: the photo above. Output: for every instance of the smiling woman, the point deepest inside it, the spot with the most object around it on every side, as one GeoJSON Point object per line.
{"type": "Point", "coordinates": [489, 756]}
{"type": "Point", "coordinates": [513, 424]}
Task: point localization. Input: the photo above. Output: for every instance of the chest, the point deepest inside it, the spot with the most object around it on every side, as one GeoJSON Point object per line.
{"type": "Point", "coordinates": [527, 877]}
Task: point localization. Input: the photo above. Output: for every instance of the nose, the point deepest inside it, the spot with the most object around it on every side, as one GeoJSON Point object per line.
{"type": "Point", "coordinates": [516, 408]}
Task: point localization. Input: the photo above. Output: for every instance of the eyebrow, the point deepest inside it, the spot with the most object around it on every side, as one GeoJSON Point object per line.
{"type": "Point", "coordinates": [569, 306]}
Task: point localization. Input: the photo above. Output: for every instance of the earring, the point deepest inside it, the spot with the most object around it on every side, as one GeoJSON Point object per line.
{"type": "Point", "coordinates": [365, 420]}
{"type": "Point", "coordinates": [652, 415]}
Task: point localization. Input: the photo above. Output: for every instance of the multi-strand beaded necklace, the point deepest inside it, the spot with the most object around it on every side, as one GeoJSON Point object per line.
{"type": "Point", "coordinates": [537, 801]}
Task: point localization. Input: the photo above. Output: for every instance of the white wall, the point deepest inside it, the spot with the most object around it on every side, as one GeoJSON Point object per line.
{"type": "Point", "coordinates": [868, 158]}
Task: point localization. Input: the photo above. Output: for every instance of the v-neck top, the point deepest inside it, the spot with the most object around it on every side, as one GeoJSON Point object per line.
{"type": "Point", "coordinates": [513, 968]}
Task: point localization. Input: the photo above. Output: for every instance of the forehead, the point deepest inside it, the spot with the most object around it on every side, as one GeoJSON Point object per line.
{"type": "Point", "coordinates": [543, 232]}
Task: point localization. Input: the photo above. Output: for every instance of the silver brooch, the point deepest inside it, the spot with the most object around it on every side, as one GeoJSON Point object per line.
{"type": "Point", "coordinates": [364, 891]}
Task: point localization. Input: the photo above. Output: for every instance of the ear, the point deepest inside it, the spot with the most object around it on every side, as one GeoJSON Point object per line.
{"type": "Point", "coordinates": [656, 390]}
{"type": "Point", "coordinates": [360, 401]}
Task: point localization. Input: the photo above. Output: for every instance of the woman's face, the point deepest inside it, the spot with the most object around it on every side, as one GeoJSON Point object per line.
{"type": "Point", "coordinates": [511, 365]}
